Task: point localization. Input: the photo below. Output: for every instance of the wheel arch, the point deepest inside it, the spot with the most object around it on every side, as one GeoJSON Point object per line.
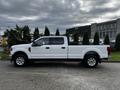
{"type": "Point", "coordinates": [19, 52]}
{"type": "Point", "coordinates": [93, 53]}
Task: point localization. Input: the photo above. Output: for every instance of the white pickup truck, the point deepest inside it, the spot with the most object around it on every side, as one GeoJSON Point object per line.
{"type": "Point", "coordinates": [56, 48]}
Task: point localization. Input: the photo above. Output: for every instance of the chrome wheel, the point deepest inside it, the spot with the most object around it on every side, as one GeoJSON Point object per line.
{"type": "Point", "coordinates": [91, 61]}
{"type": "Point", "coordinates": [20, 61]}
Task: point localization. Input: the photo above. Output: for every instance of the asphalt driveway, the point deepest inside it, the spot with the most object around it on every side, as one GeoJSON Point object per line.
{"type": "Point", "coordinates": [59, 76]}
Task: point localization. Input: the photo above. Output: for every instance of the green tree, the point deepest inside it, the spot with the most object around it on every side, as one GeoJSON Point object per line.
{"type": "Point", "coordinates": [57, 32]}
{"type": "Point", "coordinates": [12, 37]}
{"type": "Point", "coordinates": [47, 32]}
{"type": "Point", "coordinates": [106, 40]}
{"type": "Point", "coordinates": [96, 39]}
{"type": "Point", "coordinates": [4, 43]}
{"type": "Point", "coordinates": [18, 35]}
{"type": "Point", "coordinates": [19, 31]}
{"type": "Point", "coordinates": [36, 34]}
{"type": "Point", "coordinates": [26, 34]}
{"type": "Point", "coordinates": [117, 43]}
{"type": "Point", "coordinates": [85, 39]}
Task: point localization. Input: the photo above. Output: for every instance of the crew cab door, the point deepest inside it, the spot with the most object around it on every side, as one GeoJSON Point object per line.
{"type": "Point", "coordinates": [58, 49]}
{"type": "Point", "coordinates": [48, 48]}
{"type": "Point", "coordinates": [39, 48]}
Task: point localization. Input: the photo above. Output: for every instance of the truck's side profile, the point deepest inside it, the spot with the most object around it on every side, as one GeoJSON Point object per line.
{"type": "Point", "coordinates": [54, 48]}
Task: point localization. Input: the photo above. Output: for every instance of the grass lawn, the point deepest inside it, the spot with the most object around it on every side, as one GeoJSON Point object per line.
{"type": "Point", "coordinates": [115, 56]}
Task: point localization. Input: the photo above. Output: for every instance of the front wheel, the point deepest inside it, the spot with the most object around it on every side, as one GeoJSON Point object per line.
{"type": "Point", "coordinates": [91, 61]}
{"type": "Point", "coordinates": [20, 60]}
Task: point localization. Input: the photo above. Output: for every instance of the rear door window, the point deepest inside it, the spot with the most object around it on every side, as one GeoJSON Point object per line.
{"type": "Point", "coordinates": [56, 41]}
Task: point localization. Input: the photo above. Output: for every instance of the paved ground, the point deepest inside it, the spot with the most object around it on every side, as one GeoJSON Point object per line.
{"type": "Point", "coordinates": [59, 76]}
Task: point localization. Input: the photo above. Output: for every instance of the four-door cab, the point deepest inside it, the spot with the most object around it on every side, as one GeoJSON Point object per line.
{"type": "Point", "coordinates": [56, 48]}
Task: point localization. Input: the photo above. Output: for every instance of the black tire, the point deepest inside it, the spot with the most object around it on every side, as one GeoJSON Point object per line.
{"type": "Point", "coordinates": [91, 61]}
{"type": "Point", "coordinates": [20, 60]}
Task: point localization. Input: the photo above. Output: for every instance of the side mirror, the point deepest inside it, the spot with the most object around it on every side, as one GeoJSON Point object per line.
{"type": "Point", "coordinates": [34, 44]}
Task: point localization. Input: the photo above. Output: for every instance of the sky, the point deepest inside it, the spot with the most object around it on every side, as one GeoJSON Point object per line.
{"type": "Point", "coordinates": [55, 14]}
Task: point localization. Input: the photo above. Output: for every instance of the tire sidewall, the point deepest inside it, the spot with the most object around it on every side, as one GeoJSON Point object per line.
{"type": "Point", "coordinates": [20, 55]}
{"type": "Point", "coordinates": [88, 57]}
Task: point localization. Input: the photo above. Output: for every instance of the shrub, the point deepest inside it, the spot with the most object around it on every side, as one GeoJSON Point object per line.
{"type": "Point", "coordinates": [107, 40]}
{"type": "Point", "coordinates": [117, 43]}
{"type": "Point", "coordinates": [96, 39]}
{"type": "Point", "coordinates": [85, 39]}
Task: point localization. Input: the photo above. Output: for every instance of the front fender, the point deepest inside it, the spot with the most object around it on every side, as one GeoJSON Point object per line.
{"type": "Point", "coordinates": [21, 50]}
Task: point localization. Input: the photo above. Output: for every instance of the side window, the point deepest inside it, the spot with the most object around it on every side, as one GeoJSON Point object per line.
{"type": "Point", "coordinates": [43, 41]}
{"type": "Point", "coordinates": [56, 41]}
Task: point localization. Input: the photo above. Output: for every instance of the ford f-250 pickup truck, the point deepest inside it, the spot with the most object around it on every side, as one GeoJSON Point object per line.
{"type": "Point", "coordinates": [54, 48]}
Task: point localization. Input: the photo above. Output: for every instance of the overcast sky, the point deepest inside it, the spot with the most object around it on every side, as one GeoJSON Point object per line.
{"type": "Point", "coordinates": [60, 14]}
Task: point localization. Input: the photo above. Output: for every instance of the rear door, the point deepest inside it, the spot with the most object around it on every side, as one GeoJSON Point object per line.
{"type": "Point", "coordinates": [57, 48]}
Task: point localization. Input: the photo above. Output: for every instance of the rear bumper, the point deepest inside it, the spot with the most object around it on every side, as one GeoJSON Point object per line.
{"type": "Point", "coordinates": [106, 59]}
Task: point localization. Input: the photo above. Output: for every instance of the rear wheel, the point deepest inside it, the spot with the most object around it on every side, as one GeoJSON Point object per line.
{"type": "Point", "coordinates": [20, 60]}
{"type": "Point", "coordinates": [91, 61]}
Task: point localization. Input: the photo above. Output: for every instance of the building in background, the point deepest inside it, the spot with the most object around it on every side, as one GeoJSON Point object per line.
{"type": "Point", "coordinates": [112, 28]}
{"type": "Point", "coordinates": [78, 30]}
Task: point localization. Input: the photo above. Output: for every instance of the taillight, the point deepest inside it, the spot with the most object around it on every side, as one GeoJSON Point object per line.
{"type": "Point", "coordinates": [109, 50]}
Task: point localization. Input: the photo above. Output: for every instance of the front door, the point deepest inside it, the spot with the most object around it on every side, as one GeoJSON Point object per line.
{"type": "Point", "coordinates": [39, 50]}
{"type": "Point", "coordinates": [48, 48]}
